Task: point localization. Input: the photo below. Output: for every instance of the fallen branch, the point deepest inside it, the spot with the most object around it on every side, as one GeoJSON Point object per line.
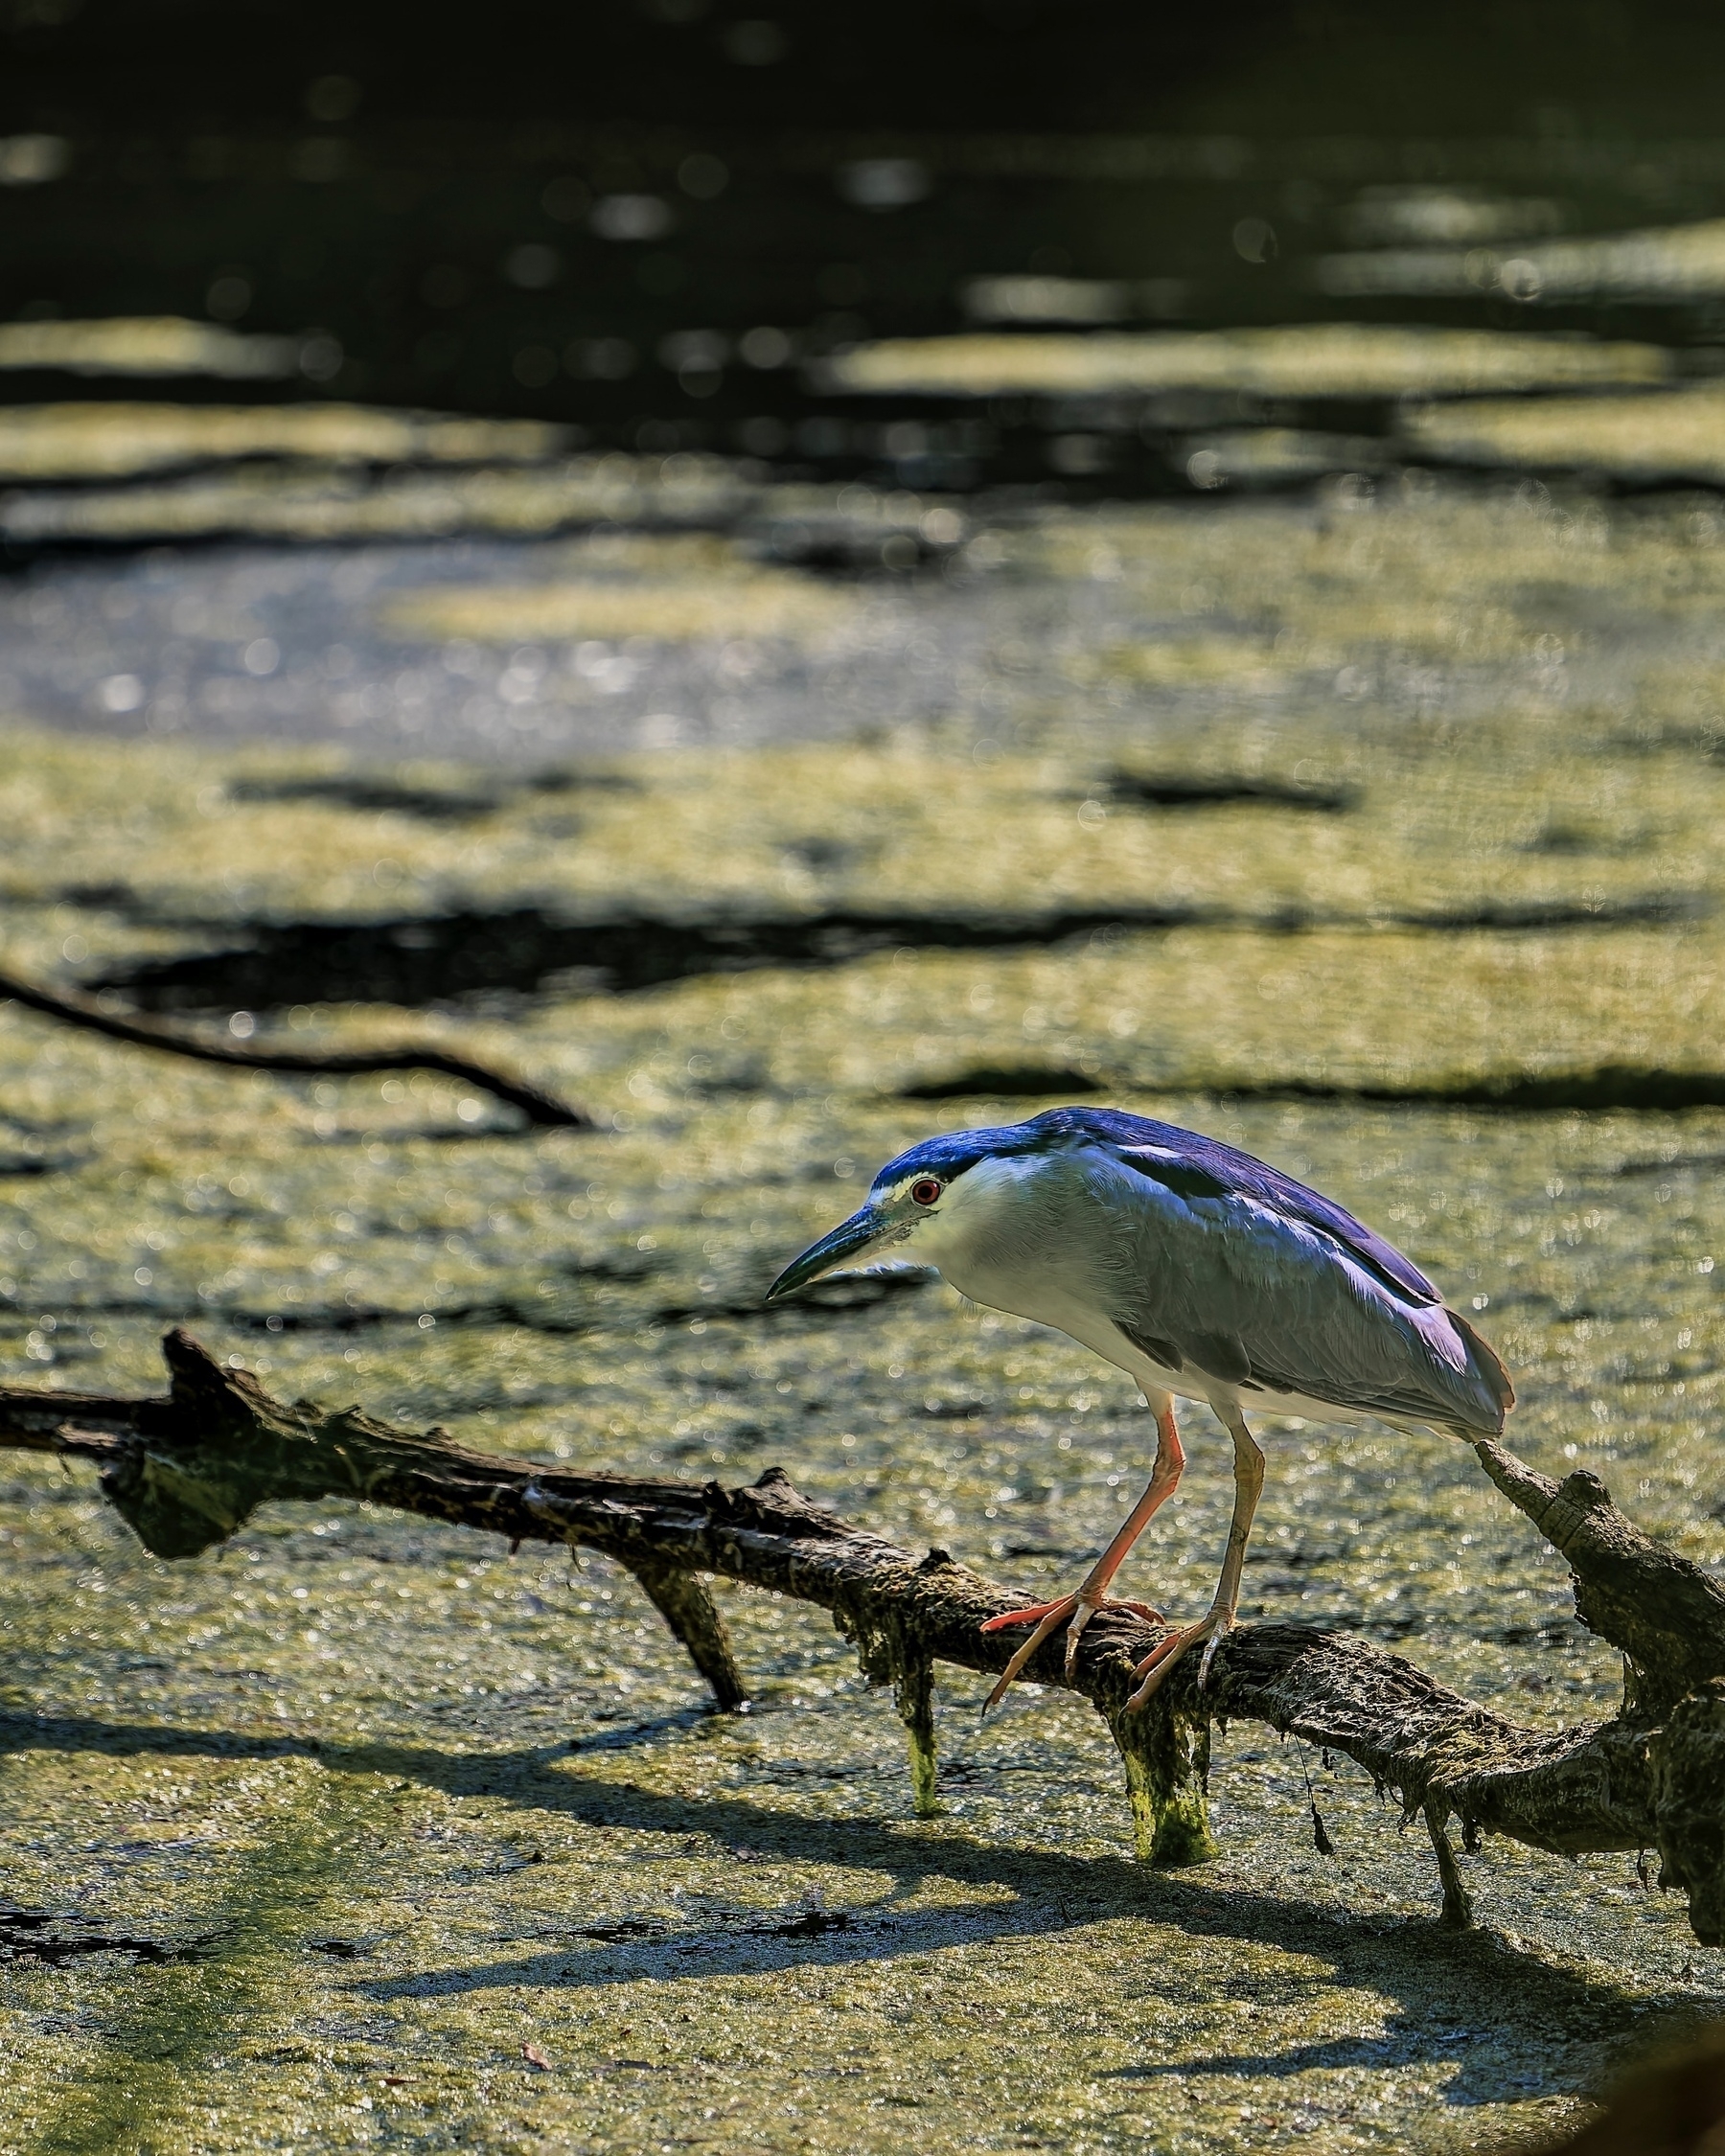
{"type": "Point", "coordinates": [187, 1470]}
{"type": "Point", "coordinates": [540, 1108]}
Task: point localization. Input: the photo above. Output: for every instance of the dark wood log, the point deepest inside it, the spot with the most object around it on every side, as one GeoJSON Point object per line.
{"type": "Point", "coordinates": [1665, 1614]}
{"type": "Point", "coordinates": [536, 1106]}
{"type": "Point", "coordinates": [187, 1470]}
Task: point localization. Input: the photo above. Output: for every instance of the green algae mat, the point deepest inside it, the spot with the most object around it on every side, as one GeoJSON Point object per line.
{"type": "Point", "coordinates": [1382, 838]}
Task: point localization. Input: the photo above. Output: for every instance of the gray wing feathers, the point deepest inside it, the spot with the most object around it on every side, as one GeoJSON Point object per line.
{"type": "Point", "coordinates": [1487, 1364]}
{"type": "Point", "coordinates": [1249, 1295]}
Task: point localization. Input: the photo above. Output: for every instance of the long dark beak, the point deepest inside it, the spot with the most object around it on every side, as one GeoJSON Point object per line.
{"type": "Point", "coordinates": [848, 1240]}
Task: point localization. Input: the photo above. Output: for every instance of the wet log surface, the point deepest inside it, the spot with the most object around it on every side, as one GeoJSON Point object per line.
{"type": "Point", "coordinates": [187, 1470]}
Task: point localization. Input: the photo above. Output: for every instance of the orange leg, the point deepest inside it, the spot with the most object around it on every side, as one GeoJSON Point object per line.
{"type": "Point", "coordinates": [1092, 1596]}
{"type": "Point", "coordinates": [1219, 1619]}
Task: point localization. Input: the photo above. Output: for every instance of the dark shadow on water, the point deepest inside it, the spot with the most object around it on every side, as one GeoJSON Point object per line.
{"type": "Point", "coordinates": [1436, 1980]}
{"type": "Point", "coordinates": [55, 1938]}
{"type": "Point", "coordinates": [1644, 1087]}
{"type": "Point", "coordinates": [630, 1732]}
{"type": "Point", "coordinates": [433, 958]}
{"type": "Point", "coordinates": [1405, 2041]}
{"type": "Point", "coordinates": [483, 1132]}
{"type": "Point", "coordinates": [567, 1317]}
{"type": "Point", "coordinates": [1177, 791]}
{"type": "Point", "coordinates": [384, 793]}
{"type": "Point", "coordinates": [559, 1317]}
{"type": "Point", "coordinates": [1682, 1164]}
{"type": "Point", "coordinates": [1009, 1081]}
{"type": "Point", "coordinates": [729, 1944]}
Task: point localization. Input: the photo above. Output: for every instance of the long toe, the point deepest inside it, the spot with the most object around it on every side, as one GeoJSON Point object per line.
{"type": "Point", "coordinates": [1087, 1606]}
{"type": "Point", "coordinates": [1162, 1657]}
{"type": "Point", "coordinates": [1081, 1616]}
{"type": "Point", "coordinates": [1052, 1614]}
{"type": "Point", "coordinates": [1046, 1616]}
{"type": "Point", "coordinates": [1211, 1645]}
{"type": "Point", "coordinates": [1034, 1615]}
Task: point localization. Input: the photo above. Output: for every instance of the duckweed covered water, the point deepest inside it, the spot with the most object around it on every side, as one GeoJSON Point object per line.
{"type": "Point", "coordinates": [377, 1805]}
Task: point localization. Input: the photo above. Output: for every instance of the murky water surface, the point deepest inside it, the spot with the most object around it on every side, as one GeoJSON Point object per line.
{"type": "Point", "coordinates": [1410, 791]}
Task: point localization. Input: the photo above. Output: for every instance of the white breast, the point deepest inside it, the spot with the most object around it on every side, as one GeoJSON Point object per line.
{"type": "Point", "coordinates": [986, 1238]}
{"type": "Point", "coordinates": [1001, 1243]}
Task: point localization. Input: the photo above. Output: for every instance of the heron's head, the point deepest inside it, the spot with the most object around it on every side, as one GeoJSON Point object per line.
{"type": "Point", "coordinates": [915, 1198]}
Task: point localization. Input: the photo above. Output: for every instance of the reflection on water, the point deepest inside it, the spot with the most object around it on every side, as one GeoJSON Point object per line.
{"type": "Point", "coordinates": [672, 235]}
{"type": "Point", "coordinates": [163, 345]}
{"type": "Point", "coordinates": [1310, 360]}
{"type": "Point", "coordinates": [1676, 263]}
{"type": "Point", "coordinates": [1679, 435]}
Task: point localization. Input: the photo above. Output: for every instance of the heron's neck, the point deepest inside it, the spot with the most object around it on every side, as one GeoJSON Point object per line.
{"type": "Point", "coordinates": [1010, 1244]}
{"type": "Point", "coordinates": [995, 1238]}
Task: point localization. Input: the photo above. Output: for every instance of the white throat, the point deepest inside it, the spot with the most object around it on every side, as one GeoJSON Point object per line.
{"type": "Point", "coordinates": [1001, 1242]}
{"type": "Point", "coordinates": [995, 1237]}
{"type": "Point", "coordinates": [974, 1217]}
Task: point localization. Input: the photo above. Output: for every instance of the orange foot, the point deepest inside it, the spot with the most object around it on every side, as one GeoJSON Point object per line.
{"type": "Point", "coordinates": [1212, 1629]}
{"type": "Point", "coordinates": [1047, 1617]}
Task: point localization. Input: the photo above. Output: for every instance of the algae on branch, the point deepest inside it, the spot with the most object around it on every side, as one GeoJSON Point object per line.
{"type": "Point", "coordinates": [1168, 1770]}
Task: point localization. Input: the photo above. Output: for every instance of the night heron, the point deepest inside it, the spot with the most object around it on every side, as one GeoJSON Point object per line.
{"type": "Point", "coordinates": [1202, 1272]}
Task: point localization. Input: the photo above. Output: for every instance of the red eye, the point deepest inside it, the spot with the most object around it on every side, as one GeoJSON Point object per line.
{"type": "Point", "coordinates": [925, 1191]}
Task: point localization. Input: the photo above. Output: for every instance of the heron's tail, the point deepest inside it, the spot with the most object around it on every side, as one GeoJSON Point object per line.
{"type": "Point", "coordinates": [1484, 1363]}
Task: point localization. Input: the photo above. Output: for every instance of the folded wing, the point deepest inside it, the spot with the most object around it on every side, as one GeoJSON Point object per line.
{"type": "Point", "coordinates": [1252, 1280]}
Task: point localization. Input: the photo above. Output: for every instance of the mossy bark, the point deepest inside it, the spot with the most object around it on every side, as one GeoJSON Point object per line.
{"type": "Point", "coordinates": [913, 1695]}
{"type": "Point", "coordinates": [1167, 1757]}
{"type": "Point", "coordinates": [1458, 1902]}
{"type": "Point", "coordinates": [1687, 1760]}
{"type": "Point", "coordinates": [187, 1470]}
